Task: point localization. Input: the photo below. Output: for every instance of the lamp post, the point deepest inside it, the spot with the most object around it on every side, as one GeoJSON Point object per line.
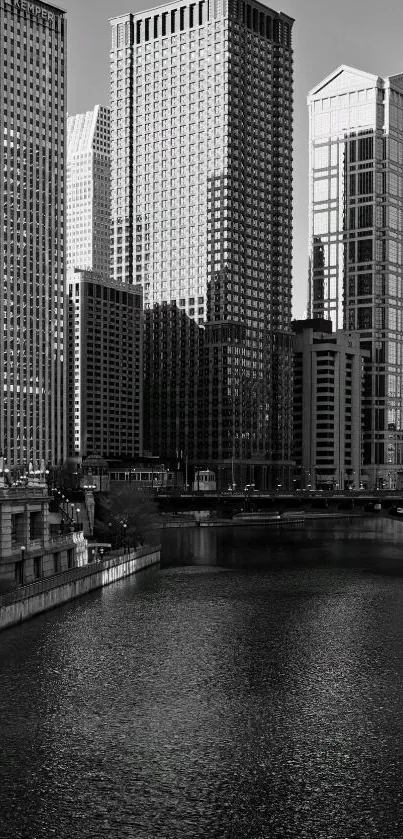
{"type": "Point", "coordinates": [77, 512]}
{"type": "Point", "coordinates": [23, 554]}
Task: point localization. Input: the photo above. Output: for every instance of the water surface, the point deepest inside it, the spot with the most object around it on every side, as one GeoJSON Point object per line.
{"type": "Point", "coordinates": [252, 688]}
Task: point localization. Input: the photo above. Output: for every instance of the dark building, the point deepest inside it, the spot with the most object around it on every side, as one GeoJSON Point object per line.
{"type": "Point", "coordinates": [172, 351]}
{"type": "Point", "coordinates": [327, 406]}
{"type": "Point", "coordinates": [105, 338]}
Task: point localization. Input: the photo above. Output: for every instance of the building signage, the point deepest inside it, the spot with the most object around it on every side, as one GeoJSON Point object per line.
{"type": "Point", "coordinates": [33, 9]}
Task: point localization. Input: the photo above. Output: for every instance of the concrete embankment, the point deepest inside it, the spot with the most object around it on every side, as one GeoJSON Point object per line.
{"type": "Point", "coordinates": [26, 602]}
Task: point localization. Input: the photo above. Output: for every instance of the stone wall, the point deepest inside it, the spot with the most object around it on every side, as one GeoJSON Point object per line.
{"type": "Point", "coordinates": [31, 600]}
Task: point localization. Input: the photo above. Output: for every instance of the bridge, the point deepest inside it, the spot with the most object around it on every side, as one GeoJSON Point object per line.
{"type": "Point", "coordinates": [229, 502]}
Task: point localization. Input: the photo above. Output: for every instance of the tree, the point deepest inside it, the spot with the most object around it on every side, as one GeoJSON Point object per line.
{"type": "Point", "coordinates": [125, 516]}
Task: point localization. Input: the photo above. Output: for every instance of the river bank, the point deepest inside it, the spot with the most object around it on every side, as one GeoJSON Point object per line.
{"type": "Point", "coordinates": [28, 601]}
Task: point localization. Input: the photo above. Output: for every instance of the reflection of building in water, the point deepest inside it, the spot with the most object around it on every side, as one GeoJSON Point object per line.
{"type": "Point", "coordinates": [356, 233]}
{"type": "Point", "coordinates": [88, 190]}
{"type": "Point", "coordinates": [317, 286]}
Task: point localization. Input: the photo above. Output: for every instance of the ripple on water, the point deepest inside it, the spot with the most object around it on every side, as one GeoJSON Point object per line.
{"type": "Point", "coordinates": [261, 701]}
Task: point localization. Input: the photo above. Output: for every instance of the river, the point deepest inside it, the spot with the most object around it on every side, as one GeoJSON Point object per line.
{"type": "Point", "coordinates": [250, 689]}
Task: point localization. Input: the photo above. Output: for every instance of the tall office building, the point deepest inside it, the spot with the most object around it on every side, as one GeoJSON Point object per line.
{"type": "Point", "coordinates": [201, 213]}
{"type": "Point", "coordinates": [356, 237]}
{"type": "Point", "coordinates": [328, 388]}
{"type": "Point", "coordinates": [105, 367]}
{"type": "Point", "coordinates": [173, 343]}
{"type": "Point", "coordinates": [88, 190]}
{"type": "Point", "coordinates": [32, 160]}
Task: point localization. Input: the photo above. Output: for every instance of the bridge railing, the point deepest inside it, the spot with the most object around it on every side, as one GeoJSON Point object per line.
{"type": "Point", "coordinates": [281, 493]}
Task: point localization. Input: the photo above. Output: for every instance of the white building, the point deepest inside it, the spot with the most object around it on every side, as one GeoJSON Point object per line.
{"type": "Point", "coordinates": [356, 241]}
{"type": "Point", "coordinates": [202, 217]}
{"type": "Point", "coordinates": [32, 196]}
{"type": "Point", "coordinates": [88, 190]}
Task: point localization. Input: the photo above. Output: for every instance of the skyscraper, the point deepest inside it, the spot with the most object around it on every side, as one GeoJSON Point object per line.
{"type": "Point", "coordinates": [88, 191]}
{"type": "Point", "coordinates": [201, 217]}
{"type": "Point", "coordinates": [356, 237]}
{"type": "Point", "coordinates": [328, 385]}
{"type": "Point", "coordinates": [105, 370]}
{"type": "Point", "coordinates": [32, 160]}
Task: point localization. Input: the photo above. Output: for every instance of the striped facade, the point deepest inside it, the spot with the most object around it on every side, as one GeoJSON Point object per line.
{"type": "Point", "coordinates": [32, 161]}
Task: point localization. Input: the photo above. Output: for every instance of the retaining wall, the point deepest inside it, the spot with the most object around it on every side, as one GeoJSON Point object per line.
{"type": "Point", "coordinates": [31, 600]}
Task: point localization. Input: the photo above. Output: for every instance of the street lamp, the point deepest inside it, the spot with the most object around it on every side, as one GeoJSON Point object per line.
{"type": "Point", "coordinates": [23, 554]}
{"type": "Point", "coordinates": [77, 512]}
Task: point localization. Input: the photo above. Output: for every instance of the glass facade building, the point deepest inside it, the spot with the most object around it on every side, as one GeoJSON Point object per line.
{"type": "Point", "coordinates": [355, 243]}
{"type": "Point", "coordinates": [32, 161]}
{"type": "Point", "coordinates": [88, 190]}
{"type": "Point", "coordinates": [202, 218]}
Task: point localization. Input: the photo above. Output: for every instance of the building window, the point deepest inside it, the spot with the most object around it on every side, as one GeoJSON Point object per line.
{"type": "Point", "coordinates": [35, 525]}
{"type": "Point", "coordinates": [17, 528]}
{"type": "Point", "coordinates": [37, 567]}
{"type": "Point", "coordinates": [364, 250]}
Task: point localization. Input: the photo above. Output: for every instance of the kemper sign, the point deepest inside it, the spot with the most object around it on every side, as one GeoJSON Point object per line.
{"type": "Point", "coordinates": [33, 8]}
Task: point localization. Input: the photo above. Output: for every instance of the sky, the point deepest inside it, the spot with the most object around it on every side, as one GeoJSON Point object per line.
{"type": "Point", "coordinates": [326, 33]}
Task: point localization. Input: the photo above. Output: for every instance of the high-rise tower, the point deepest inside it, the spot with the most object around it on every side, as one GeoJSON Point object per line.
{"type": "Point", "coordinates": [32, 160]}
{"type": "Point", "coordinates": [356, 238]}
{"type": "Point", "coordinates": [88, 191]}
{"type": "Point", "coordinates": [105, 376]}
{"type": "Point", "coordinates": [201, 217]}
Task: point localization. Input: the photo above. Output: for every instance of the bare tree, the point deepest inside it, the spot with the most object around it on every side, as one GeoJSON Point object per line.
{"type": "Point", "coordinates": [125, 516]}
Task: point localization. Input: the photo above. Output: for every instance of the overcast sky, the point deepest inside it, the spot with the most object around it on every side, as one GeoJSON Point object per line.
{"type": "Point", "coordinates": [362, 33]}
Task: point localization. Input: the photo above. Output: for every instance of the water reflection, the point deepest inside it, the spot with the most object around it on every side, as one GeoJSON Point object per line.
{"type": "Point", "coordinates": [252, 688]}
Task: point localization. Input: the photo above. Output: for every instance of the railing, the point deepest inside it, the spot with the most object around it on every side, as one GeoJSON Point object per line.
{"type": "Point", "coordinates": [276, 493]}
{"type": "Point", "coordinates": [72, 574]}
{"type": "Point", "coordinates": [62, 537]}
{"type": "Point", "coordinates": [22, 492]}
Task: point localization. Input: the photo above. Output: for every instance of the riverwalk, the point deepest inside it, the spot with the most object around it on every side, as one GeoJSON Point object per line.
{"type": "Point", "coordinates": [27, 601]}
